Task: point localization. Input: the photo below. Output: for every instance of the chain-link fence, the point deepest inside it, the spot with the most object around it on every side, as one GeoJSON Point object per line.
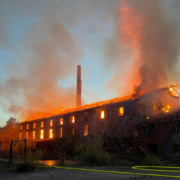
{"type": "Point", "coordinates": [14, 150]}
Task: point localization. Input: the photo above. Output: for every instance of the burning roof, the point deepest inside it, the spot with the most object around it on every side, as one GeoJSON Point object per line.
{"type": "Point", "coordinates": [117, 100]}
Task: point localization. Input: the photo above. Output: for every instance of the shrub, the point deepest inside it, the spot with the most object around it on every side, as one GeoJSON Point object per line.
{"type": "Point", "coordinates": [25, 167]}
{"type": "Point", "coordinates": [152, 160]}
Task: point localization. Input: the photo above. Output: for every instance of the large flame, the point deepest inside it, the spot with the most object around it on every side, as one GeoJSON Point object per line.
{"type": "Point", "coordinates": [96, 104]}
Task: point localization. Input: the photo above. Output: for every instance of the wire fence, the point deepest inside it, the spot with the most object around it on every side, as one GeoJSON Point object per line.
{"type": "Point", "coordinates": [13, 150]}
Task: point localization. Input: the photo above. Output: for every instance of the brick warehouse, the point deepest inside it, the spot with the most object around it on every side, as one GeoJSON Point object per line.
{"type": "Point", "coordinates": [153, 119]}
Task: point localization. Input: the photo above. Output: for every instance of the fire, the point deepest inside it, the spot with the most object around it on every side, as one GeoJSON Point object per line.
{"type": "Point", "coordinates": [99, 104]}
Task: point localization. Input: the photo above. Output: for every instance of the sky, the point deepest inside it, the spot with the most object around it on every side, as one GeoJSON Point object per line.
{"type": "Point", "coordinates": [122, 46]}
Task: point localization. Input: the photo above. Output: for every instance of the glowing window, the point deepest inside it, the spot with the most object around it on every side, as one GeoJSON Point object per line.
{"type": "Point", "coordinates": [154, 105]}
{"type": "Point", "coordinates": [42, 124]}
{"type": "Point", "coordinates": [121, 111]}
{"type": "Point", "coordinates": [72, 119]}
{"type": "Point", "coordinates": [27, 134]}
{"type": "Point", "coordinates": [21, 127]}
{"type": "Point", "coordinates": [41, 134]}
{"type": "Point", "coordinates": [51, 122]}
{"type": "Point", "coordinates": [50, 133]}
{"type": "Point", "coordinates": [61, 132]}
{"type": "Point", "coordinates": [73, 131]}
{"type": "Point", "coordinates": [34, 134]}
{"type": "Point", "coordinates": [20, 136]}
{"type": "Point", "coordinates": [102, 114]}
{"type": "Point", "coordinates": [34, 125]}
{"type": "Point", "coordinates": [27, 126]}
{"type": "Point", "coordinates": [61, 121]}
{"type": "Point", "coordinates": [86, 130]}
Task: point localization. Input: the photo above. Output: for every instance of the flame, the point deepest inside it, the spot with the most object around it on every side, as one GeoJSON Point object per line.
{"type": "Point", "coordinates": [96, 104]}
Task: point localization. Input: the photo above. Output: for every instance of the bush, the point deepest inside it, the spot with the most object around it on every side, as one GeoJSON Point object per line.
{"type": "Point", "coordinates": [25, 167]}
{"type": "Point", "coordinates": [152, 160]}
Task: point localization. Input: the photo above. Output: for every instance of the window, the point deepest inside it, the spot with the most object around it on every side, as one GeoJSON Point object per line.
{"type": "Point", "coordinates": [121, 111]}
{"type": "Point", "coordinates": [102, 114]}
{"type": "Point", "coordinates": [21, 128]}
{"type": "Point", "coordinates": [147, 131]}
{"type": "Point", "coordinates": [27, 126]}
{"type": "Point", "coordinates": [20, 136]}
{"type": "Point", "coordinates": [42, 124]}
{"type": "Point", "coordinates": [176, 128]}
{"type": "Point", "coordinates": [73, 131]}
{"type": "Point", "coordinates": [34, 125]}
{"type": "Point", "coordinates": [86, 130]}
{"type": "Point", "coordinates": [50, 133]}
{"type": "Point", "coordinates": [154, 105]}
{"type": "Point", "coordinates": [61, 121]}
{"type": "Point", "coordinates": [34, 134]}
{"type": "Point", "coordinates": [27, 134]}
{"type": "Point", "coordinates": [61, 132]}
{"type": "Point", "coordinates": [41, 134]}
{"type": "Point", "coordinates": [176, 147]}
{"type": "Point", "coordinates": [72, 119]}
{"type": "Point", "coordinates": [51, 122]}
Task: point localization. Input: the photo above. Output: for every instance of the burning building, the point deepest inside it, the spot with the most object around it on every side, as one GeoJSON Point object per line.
{"type": "Point", "coordinates": [152, 119]}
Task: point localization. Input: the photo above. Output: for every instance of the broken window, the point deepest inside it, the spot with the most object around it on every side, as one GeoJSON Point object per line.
{"type": "Point", "coordinates": [147, 131]}
{"type": "Point", "coordinates": [176, 147]}
{"type": "Point", "coordinates": [27, 134]}
{"type": "Point", "coordinates": [61, 121]}
{"type": "Point", "coordinates": [72, 119]}
{"type": "Point", "coordinates": [21, 127]}
{"type": "Point", "coordinates": [34, 125]}
{"type": "Point", "coordinates": [27, 126]}
{"type": "Point", "coordinates": [86, 130]}
{"type": "Point", "coordinates": [102, 115]}
{"type": "Point", "coordinates": [121, 111]}
{"type": "Point", "coordinates": [20, 136]}
{"type": "Point", "coordinates": [51, 122]}
{"type": "Point", "coordinates": [34, 134]}
{"type": "Point", "coordinates": [176, 128]}
{"type": "Point", "coordinates": [61, 132]}
{"type": "Point", "coordinates": [42, 133]}
{"type": "Point", "coordinates": [51, 133]}
{"type": "Point", "coordinates": [42, 124]}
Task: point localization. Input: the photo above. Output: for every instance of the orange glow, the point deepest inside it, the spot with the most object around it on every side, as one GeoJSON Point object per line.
{"type": "Point", "coordinates": [61, 121]}
{"type": "Point", "coordinates": [51, 122]}
{"type": "Point", "coordinates": [34, 134]}
{"type": "Point", "coordinates": [102, 115]}
{"type": "Point", "coordinates": [50, 133]}
{"type": "Point", "coordinates": [73, 131]}
{"type": "Point", "coordinates": [61, 132]}
{"type": "Point", "coordinates": [87, 106]}
{"type": "Point", "coordinates": [27, 126]}
{"type": "Point", "coordinates": [34, 125]}
{"type": "Point", "coordinates": [168, 106]}
{"type": "Point", "coordinates": [86, 130]}
{"type": "Point", "coordinates": [42, 124]}
{"type": "Point", "coordinates": [21, 127]}
{"type": "Point", "coordinates": [154, 105]}
{"type": "Point", "coordinates": [72, 119]}
{"type": "Point", "coordinates": [121, 111]}
{"type": "Point", "coordinates": [27, 134]}
{"type": "Point", "coordinates": [20, 136]}
{"type": "Point", "coordinates": [41, 134]}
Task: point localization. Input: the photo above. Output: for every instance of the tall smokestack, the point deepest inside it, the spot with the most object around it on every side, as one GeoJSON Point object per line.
{"type": "Point", "coordinates": [78, 90]}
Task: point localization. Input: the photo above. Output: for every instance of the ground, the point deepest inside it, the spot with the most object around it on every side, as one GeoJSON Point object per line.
{"type": "Point", "coordinates": [66, 174]}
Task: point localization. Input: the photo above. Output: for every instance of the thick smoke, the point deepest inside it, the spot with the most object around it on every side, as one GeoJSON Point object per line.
{"type": "Point", "coordinates": [149, 31]}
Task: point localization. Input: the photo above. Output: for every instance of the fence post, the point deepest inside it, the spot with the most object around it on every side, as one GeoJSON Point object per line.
{"type": "Point", "coordinates": [10, 153]}
{"type": "Point", "coordinates": [25, 151]}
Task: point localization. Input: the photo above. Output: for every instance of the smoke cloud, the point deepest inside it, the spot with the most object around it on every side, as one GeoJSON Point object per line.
{"type": "Point", "coordinates": [148, 45]}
